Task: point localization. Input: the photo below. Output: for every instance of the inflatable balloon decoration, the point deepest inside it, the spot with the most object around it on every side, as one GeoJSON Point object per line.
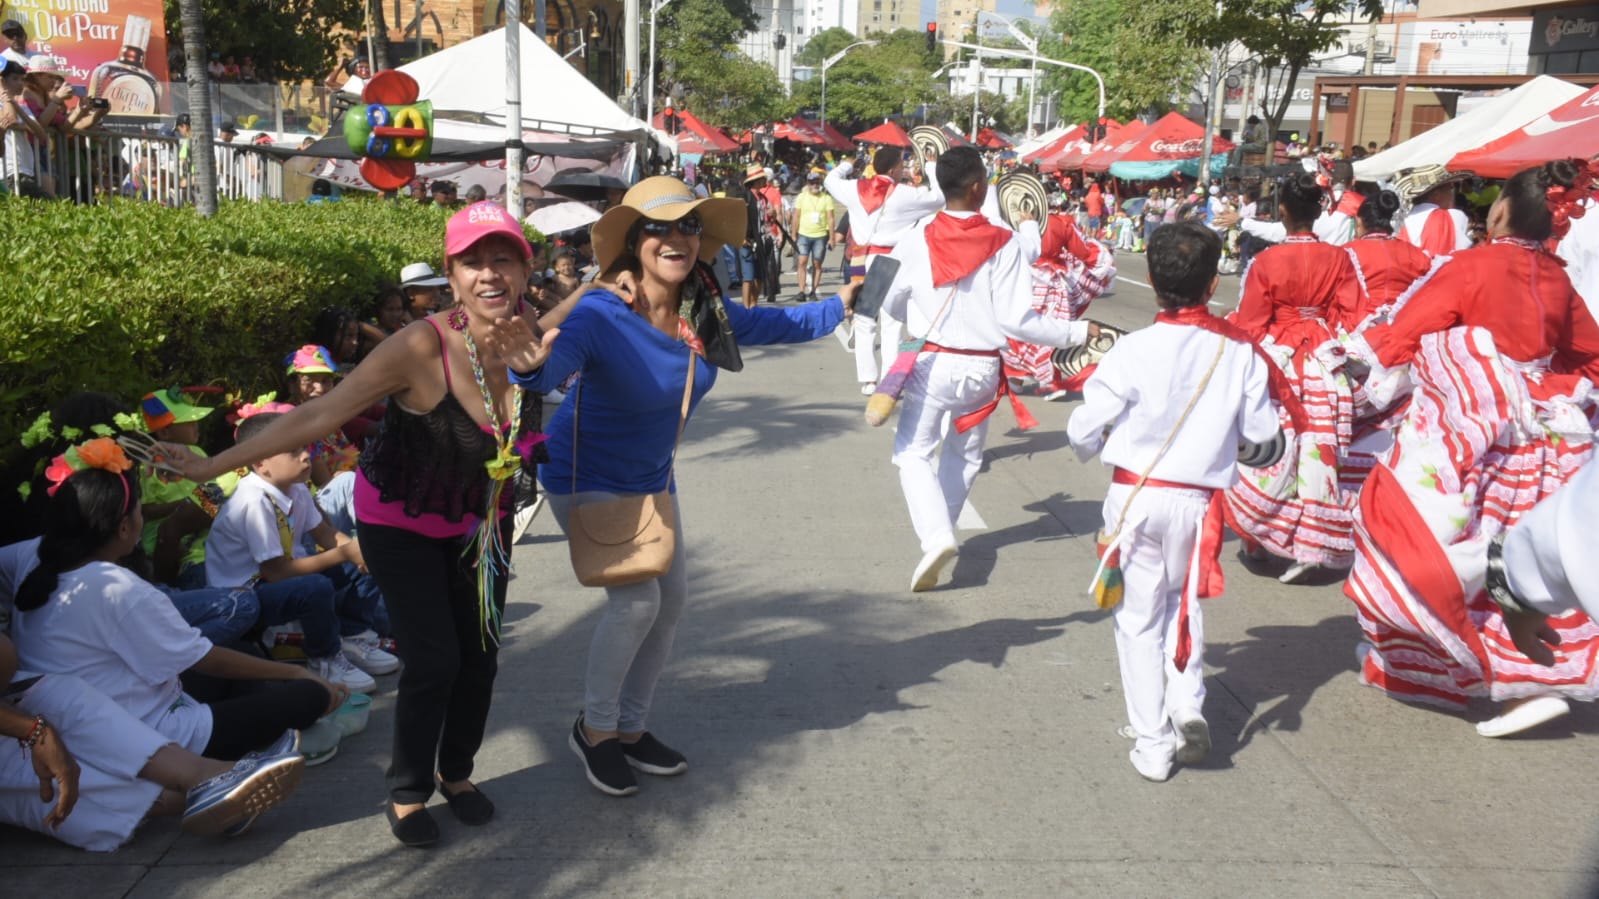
{"type": "Point", "coordinates": [393, 132]}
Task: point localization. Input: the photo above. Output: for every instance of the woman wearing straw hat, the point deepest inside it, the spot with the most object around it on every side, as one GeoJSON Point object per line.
{"type": "Point", "coordinates": [633, 348]}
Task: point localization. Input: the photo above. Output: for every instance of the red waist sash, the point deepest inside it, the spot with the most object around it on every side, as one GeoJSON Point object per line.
{"type": "Point", "coordinates": [964, 423]}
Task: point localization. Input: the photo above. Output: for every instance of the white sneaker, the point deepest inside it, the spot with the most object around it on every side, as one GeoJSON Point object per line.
{"type": "Point", "coordinates": [363, 652]}
{"type": "Point", "coordinates": [931, 565]}
{"type": "Point", "coordinates": [1295, 572]}
{"type": "Point", "coordinates": [868, 388]}
{"type": "Point", "coordinates": [524, 518]}
{"type": "Point", "coordinates": [1195, 734]}
{"type": "Point", "coordinates": [336, 669]}
{"type": "Point", "coordinates": [1157, 770]}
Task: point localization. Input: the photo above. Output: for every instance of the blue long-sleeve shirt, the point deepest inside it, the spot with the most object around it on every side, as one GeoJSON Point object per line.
{"type": "Point", "coordinates": [632, 387]}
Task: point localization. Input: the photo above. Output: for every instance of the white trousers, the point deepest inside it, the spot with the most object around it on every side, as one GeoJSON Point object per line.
{"type": "Point", "coordinates": [886, 331]}
{"type": "Point", "coordinates": [942, 387]}
{"type": "Point", "coordinates": [1164, 525]}
{"type": "Point", "coordinates": [110, 746]}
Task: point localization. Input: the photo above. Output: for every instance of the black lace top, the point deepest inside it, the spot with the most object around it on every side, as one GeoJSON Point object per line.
{"type": "Point", "coordinates": [432, 463]}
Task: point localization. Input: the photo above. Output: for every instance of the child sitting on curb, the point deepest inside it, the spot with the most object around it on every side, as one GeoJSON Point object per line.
{"type": "Point", "coordinates": [258, 539]}
{"type": "Point", "coordinates": [1194, 385]}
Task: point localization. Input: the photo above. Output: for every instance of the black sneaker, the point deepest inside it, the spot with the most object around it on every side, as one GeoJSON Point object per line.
{"type": "Point", "coordinates": [652, 756]}
{"type": "Point", "coordinates": [605, 765]}
{"type": "Point", "coordinates": [813, 296]}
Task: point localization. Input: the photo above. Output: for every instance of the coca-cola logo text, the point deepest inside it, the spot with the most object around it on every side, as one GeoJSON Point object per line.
{"type": "Point", "coordinates": [1178, 148]}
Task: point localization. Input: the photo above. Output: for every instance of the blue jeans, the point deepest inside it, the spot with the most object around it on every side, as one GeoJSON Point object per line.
{"type": "Point", "coordinates": [223, 614]}
{"type": "Point", "coordinates": [357, 601]}
{"type": "Point", "coordinates": [337, 502]}
{"type": "Point", "coordinates": [307, 599]}
{"type": "Point", "coordinates": [811, 247]}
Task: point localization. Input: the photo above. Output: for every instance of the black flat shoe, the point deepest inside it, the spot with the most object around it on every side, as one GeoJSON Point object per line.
{"type": "Point", "coordinates": [470, 807]}
{"type": "Point", "coordinates": [415, 830]}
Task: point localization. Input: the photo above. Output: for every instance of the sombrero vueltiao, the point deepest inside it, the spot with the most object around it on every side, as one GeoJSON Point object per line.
{"type": "Point", "coordinates": [666, 199]}
{"type": "Point", "coordinates": [1415, 182]}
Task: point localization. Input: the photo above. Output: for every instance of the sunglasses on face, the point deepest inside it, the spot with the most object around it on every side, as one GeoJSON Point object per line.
{"type": "Point", "coordinates": [688, 226]}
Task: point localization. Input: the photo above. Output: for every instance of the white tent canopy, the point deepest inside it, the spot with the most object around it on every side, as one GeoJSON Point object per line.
{"type": "Point", "coordinates": [1043, 140]}
{"type": "Point", "coordinates": [470, 77]}
{"type": "Point", "coordinates": [1494, 118]}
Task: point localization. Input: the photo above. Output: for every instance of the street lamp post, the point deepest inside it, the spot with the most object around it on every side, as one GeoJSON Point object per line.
{"type": "Point", "coordinates": [1031, 44]}
{"type": "Point", "coordinates": [828, 64]}
{"type": "Point", "coordinates": [649, 102]}
{"type": "Point", "coordinates": [1012, 54]}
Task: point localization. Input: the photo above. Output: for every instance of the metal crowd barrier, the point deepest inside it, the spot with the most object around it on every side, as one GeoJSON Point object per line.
{"type": "Point", "coordinates": [88, 166]}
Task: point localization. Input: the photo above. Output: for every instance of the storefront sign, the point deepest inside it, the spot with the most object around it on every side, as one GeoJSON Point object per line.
{"type": "Point", "coordinates": [1565, 29]}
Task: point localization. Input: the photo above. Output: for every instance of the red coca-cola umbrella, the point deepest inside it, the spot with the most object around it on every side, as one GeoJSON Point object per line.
{"type": "Point", "coordinates": [1568, 130]}
{"type": "Point", "coordinates": [889, 134]}
{"type": "Point", "coordinates": [1074, 157]}
{"type": "Point", "coordinates": [1056, 147]}
{"type": "Point", "coordinates": [694, 135]}
{"type": "Point", "coordinates": [1172, 143]}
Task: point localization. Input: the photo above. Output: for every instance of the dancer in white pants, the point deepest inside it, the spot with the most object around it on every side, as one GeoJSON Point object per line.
{"type": "Point", "coordinates": [881, 211]}
{"type": "Point", "coordinates": [964, 284]}
{"type": "Point", "coordinates": [1179, 397]}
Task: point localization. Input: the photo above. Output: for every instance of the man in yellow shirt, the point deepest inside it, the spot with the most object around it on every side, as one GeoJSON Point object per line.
{"type": "Point", "coordinates": [812, 227]}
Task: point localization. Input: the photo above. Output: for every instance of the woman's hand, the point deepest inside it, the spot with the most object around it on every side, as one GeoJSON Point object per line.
{"type": "Point", "coordinates": [195, 467]}
{"type": "Point", "coordinates": [337, 693]}
{"type": "Point", "coordinates": [55, 769]}
{"type": "Point", "coordinates": [848, 293]}
{"type": "Point", "coordinates": [623, 285]}
{"type": "Point", "coordinates": [515, 343]}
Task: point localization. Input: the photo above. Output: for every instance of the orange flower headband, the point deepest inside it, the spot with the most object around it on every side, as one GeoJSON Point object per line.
{"type": "Point", "coordinates": [1566, 203]}
{"type": "Point", "coordinates": [102, 453]}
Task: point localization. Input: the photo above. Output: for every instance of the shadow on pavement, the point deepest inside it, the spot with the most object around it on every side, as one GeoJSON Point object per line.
{"type": "Point", "coordinates": [1057, 518]}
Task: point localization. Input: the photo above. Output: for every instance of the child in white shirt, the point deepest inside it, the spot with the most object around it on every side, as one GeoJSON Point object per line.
{"type": "Point", "coordinates": [257, 540]}
{"type": "Point", "coordinates": [1178, 398]}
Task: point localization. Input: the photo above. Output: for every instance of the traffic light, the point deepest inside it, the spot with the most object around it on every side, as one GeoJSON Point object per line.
{"type": "Point", "coordinates": [669, 120]}
{"type": "Point", "coordinates": [932, 37]}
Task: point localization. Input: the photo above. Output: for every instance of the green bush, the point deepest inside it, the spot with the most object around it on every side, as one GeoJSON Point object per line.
{"type": "Point", "coordinates": [130, 296]}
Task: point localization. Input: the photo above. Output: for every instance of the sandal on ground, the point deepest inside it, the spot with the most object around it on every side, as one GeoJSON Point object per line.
{"type": "Point", "coordinates": [470, 807]}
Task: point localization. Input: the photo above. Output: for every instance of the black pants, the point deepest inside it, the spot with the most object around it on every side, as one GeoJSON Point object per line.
{"type": "Point", "coordinates": [442, 704]}
{"type": "Point", "coordinates": [251, 721]}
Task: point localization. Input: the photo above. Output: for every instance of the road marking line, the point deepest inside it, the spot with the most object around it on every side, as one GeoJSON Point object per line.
{"type": "Point", "coordinates": [969, 520]}
{"type": "Point", "coordinates": [1134, 283]}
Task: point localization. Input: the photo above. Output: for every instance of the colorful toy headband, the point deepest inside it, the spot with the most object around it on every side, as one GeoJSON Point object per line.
{"type": "Point", "coordinates": [393, 132]}
{"type": "Point", "coordinates": [102, 453]}
{"type": "Point", "coordinates": [266, 402]}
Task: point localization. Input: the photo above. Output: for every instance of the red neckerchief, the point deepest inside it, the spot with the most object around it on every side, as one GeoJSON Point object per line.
{"type": "Point", "coordinates": [1200, 317]}
{"type": "Point", "coordinates": [1438, 233]}
{"type": "Point", "coordinates": [958, 246]}
{"type": "Point", "coordinates": [874, 192]}
{"type": "Point", "coordinates": [1350, 204]}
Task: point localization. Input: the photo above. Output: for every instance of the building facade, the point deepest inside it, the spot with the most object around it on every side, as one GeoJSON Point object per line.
{"type": "Point", "coordinates": [957, 19]}
{"type": "Point", "coordinates": [878, 16]}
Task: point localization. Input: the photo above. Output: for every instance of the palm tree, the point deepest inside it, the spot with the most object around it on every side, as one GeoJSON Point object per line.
{"type": "Point", "coordinates": [201, 133]}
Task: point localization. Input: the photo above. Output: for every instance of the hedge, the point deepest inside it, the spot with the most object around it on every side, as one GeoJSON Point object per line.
{"type": "Point", "coordinates": [129, 296]}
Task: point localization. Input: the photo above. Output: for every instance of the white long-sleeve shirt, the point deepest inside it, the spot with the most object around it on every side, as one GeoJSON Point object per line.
{"type": "Point", "coordinates": [891, 221]}
{"type": "Point", "coordinates": [1552, 553]}
{"type": "Point", "coordinates": [992, 303]}
{"type": "Point", "coordinates": [1331, 227]}
{"type": "Point", "coordinates": [1140, 390]}
{"type": "Point", "coordinates": [1416, 222]}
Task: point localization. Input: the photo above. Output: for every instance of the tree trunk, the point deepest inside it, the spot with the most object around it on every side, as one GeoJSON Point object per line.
{"type": "Point", "coordinates": [1275, 116]}
{"type": "Point", "coordinates": [202, 132]}
{"type": "Point", "coordinates": [380, 36]}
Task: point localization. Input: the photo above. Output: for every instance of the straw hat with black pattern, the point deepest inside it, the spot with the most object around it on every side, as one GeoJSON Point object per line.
{"type": "Point", "coordinates": [1413, 183]}
{"type": "Point", "coordinates": [665, 199]}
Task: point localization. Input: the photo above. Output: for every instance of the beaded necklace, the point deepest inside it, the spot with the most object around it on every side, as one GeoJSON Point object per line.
{"type": "Point", "coordinates": [492, 556]}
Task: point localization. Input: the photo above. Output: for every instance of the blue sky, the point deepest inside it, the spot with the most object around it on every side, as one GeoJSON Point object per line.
{"type": "Point", "coordinates": [1010, 8]}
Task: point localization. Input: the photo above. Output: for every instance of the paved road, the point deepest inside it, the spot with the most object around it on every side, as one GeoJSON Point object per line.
{"type": "Point", "coordinates": [849, 738]}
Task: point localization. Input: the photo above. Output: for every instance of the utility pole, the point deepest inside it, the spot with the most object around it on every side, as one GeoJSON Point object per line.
{"type": "Point", "coordinates": [630, 48]}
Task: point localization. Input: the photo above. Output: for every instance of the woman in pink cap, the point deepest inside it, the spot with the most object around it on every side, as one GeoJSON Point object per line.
{"type": "Point", "coordinates": [438, 475]}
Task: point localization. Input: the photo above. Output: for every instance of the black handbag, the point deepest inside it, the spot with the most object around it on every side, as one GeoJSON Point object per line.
{"type": "Point", "coordinates": [702, 308]}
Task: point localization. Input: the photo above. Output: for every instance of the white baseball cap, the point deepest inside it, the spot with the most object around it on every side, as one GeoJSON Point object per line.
{"type": "Point", "coordinates": [420, 274]}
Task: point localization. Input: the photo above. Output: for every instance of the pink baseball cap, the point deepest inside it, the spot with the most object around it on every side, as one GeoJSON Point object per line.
{"type": "Point", "coordinates": [478, 221]}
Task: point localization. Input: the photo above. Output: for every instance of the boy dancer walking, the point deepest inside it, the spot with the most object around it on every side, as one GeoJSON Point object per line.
{"type": "Point", "coordinates": [965, 284]}
{"type": "Point", "coordinates": [1179, 399]}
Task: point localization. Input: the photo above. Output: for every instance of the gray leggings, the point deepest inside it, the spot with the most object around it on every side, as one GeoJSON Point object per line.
{"type": "Point", "coordinates": [633, 639]}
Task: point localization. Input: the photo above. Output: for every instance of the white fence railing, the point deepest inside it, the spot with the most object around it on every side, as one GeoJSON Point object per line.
{"type": "Point", "coordinates": [86, 167]}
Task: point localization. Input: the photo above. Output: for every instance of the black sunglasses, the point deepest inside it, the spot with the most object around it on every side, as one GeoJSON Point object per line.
{"type": "Point", "coordinates": [688, 226]}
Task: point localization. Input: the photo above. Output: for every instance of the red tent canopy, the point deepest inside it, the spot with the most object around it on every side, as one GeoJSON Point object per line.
{"type": "Point", "coordinates": [989, 139]}
{"type": "Point", "coordinates": [889, 133]}
{"type": "Point", "coordinates": [695, 136]}
{"type": "Point", "coordinates": [1169, 138]}
{"type": "Point", "coordinates": [1057, 146]}
{"type": "Point", "coordinates": [1568, 130]}
{"type": "Point", "coordinates": [956, 139]}
{"type": "Point", "coordinates": [1075, 157]}
{"type": "Point", "coordinates": [1111, 149]}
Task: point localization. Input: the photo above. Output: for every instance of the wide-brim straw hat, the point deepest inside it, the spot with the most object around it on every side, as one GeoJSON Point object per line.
{"type": "Point", "coordinates": [666, 199]}
{"type": "Point", "coordinates": [1420, 180]}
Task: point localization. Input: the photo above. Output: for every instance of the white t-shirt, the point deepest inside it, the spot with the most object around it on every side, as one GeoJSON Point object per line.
{"type": "Point", "coordinates": [245, 532]}
{"type": "Point", "coordinates": [121, 636]}
{"type": "Point", "coordinates": [16, 561]}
